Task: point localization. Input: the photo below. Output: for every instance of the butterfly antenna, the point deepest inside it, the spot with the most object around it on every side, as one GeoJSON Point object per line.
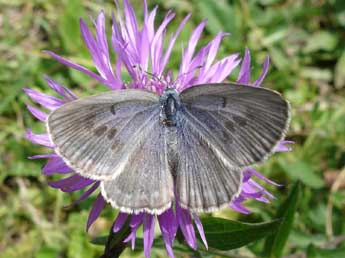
{"type": "Point", "coordinates": [148, 73]}
{"type": "Point", "coordinates": [198, 67]}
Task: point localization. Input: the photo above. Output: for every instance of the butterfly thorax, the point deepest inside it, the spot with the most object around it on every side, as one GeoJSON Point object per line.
{"type": "Point", "coordinates": [170, 104]}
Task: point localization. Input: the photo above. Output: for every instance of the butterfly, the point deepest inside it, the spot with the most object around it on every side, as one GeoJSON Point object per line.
{"type": "Point", "coordinates": [145, 149]}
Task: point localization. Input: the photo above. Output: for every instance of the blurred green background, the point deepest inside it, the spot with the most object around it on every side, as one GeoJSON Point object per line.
{"type": "Point", "coordinates": [305, 41]}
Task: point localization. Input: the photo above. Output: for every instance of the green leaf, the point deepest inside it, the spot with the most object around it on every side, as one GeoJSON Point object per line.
{"type": "Point", "coordinates": [225, 234]}
{"type": "Point", "coordinates": [339, 76]}
{"type": "Point", "coordinates": [279, 58]}
{"type": "Point", "coordinates": [77, 246]}
{"type": "Point", "coordinates": [314, 252]}
{"type": "Point", "coordinates": [303, 171]}
{"type": "Point", "coordinates": [274, 244]}
{"type": "Point", "coordinates": [45, 251]}
{"type": "Point", "coordinates": [301, 239]}
{"type": "Point", "coordinates": [321, 40]}
{"type": "Point", "coordinates": [69, 25]}
{"type": "Point", "coordinates": [221, 17]}
{"type": "Point", "coordinates": [100, 240]}
{"type": "Point", "coordinates": [316, 73]}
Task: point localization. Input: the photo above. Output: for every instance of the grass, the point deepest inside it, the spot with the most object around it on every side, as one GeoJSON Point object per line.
{"type": "Point", "coordinates": [304, 40]}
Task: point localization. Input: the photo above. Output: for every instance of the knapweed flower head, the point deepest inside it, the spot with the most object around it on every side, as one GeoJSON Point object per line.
{"type": "Point", "coordinates": [143, 51]}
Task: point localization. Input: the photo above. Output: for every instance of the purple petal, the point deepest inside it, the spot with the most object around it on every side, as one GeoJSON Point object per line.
{"type": "Point", "coordinates": [84, 195]}
{"type": "Point", "coordinates": [252, 172]}
{"type": "Point", "coordinates": [168, 247]}
{"type": "Point", "coordinates": [41, 139]}
{"type": "Point", "coordinates": [150, 23]}
{"type": "Point", "coordinates": [120, 221]}
{"type": "Point", "coordinates": [145, 10]}
{"type": "Point", "coordinates": [185, 80]}
{"type": "Point", "coordinates": [93, 48]}
{"type": "Point", "coordinates": [126, 42]}
{"type": "Point", "coordinates": [99, 55]}
{"type": "Point", "coordinates": [185, 221]}
{"type": "Point", "coordinates": [225, 67]}
{"type": "Point", "coordinates": [56, 165]}
{"type": "Point", "coordinates": [72, 183]}
{"type": "Point", "coordinates": [131, 237]}
{"type": "Point", "coordinates": [119, 46]}
{"type": "Point", "coordinates": [253, 195]}
{"type": "Point", "coordinates": [237, 206]}
{"type": "Point", "coordinates": [244, 75]}
{"type": "Point", "coordinates": [40, 115]}
{"type": "Point", "coordinates": [157, 42]}
{"type": "Point", "coordinates": [200, 229]}
{"type": "Point", "coordinates": [45, 100]}
{"type": "Point", "coordinates": [149, 230]}
{"type": "Point", "coordinates": [60, 89]}
{"type": "Point", "coordinates": [144, 48]}
{"type": "Point", "coordinates": [263, 73]}
{"type": "Point", "coordinates": [260, 188]}
{"type": "Point", "coordinates": [218, 71]}
{"type": "Point", "coordinates": [207, 70]}
{"type": "Point", "coordinates": [101, 34]}
{"type": "Point", "coordinates": [252, 190]}
{"type": "Point", "coordinates": [79, 68]}
{"type": "Point", "coordinates": [136, 220]}
{"type": "Point", "coordinates": [168, 226]}
{"type": "Point", "coordinates": [281, 147]}
{"type": "Point", "coordinates": [168, 223]}
{"type": "Point", "coordinates": [171, 44]}
{"type": "Point", "coordinates": [44, 156]}
{"type": "Point", "coordinates": [246, 177]}
{"type": "Point", "coordinates": [131, 23]}
{"type": "Point", "coordinates": [188, 53]}
{"type": "Point", "coordinates": [96, 209]}
{"type": "Point", "coordinates": [214, 46]}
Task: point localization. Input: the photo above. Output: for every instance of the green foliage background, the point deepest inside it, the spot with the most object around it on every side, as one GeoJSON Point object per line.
{"type": "Point", "coordinates": [305, 41]}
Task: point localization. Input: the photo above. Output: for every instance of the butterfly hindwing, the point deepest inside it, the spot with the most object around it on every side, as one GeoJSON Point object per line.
{"type": "Point", "coordinates": [147, 183]}
{"type": "Point", "coordinates": [204, 181]}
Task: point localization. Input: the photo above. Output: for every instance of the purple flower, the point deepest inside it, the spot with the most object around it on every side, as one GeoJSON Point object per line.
{"type": "Point", "coordinates": [139, 49]}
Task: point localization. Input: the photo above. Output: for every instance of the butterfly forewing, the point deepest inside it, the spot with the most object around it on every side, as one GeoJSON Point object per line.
{"type": "Point", "coordinates": [241, 123]}
{"type": "Point", "coordinates": [96, 135]}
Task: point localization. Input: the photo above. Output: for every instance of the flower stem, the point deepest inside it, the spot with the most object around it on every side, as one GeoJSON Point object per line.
{"type": "Point", "coordinates": [115, 245]}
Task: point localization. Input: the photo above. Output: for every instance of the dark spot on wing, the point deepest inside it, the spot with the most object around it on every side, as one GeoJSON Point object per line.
{"type": "Point", "coordinates": [251, 116]}
{"type": "Point", "coordinates": [241, 121]}
{"type": "Point", "coordinates": [224, 102]}
{"type": "Point", "coordinates": [230, 125]}
{"type": "Point", "coordinates": [89, 125]}
{"type": "Point", "coordinates": [227, 137]}
{"type": "Point", "coordinates": [100, 130]}
{"type": "Point", "coordinates": [112, 109]}
{"type": "Point", "coordinates": [90, 121]}
{"type": "Point", "coordinates": [116, 146]}
{"type": "Point", "coordinates": [111, 133]}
